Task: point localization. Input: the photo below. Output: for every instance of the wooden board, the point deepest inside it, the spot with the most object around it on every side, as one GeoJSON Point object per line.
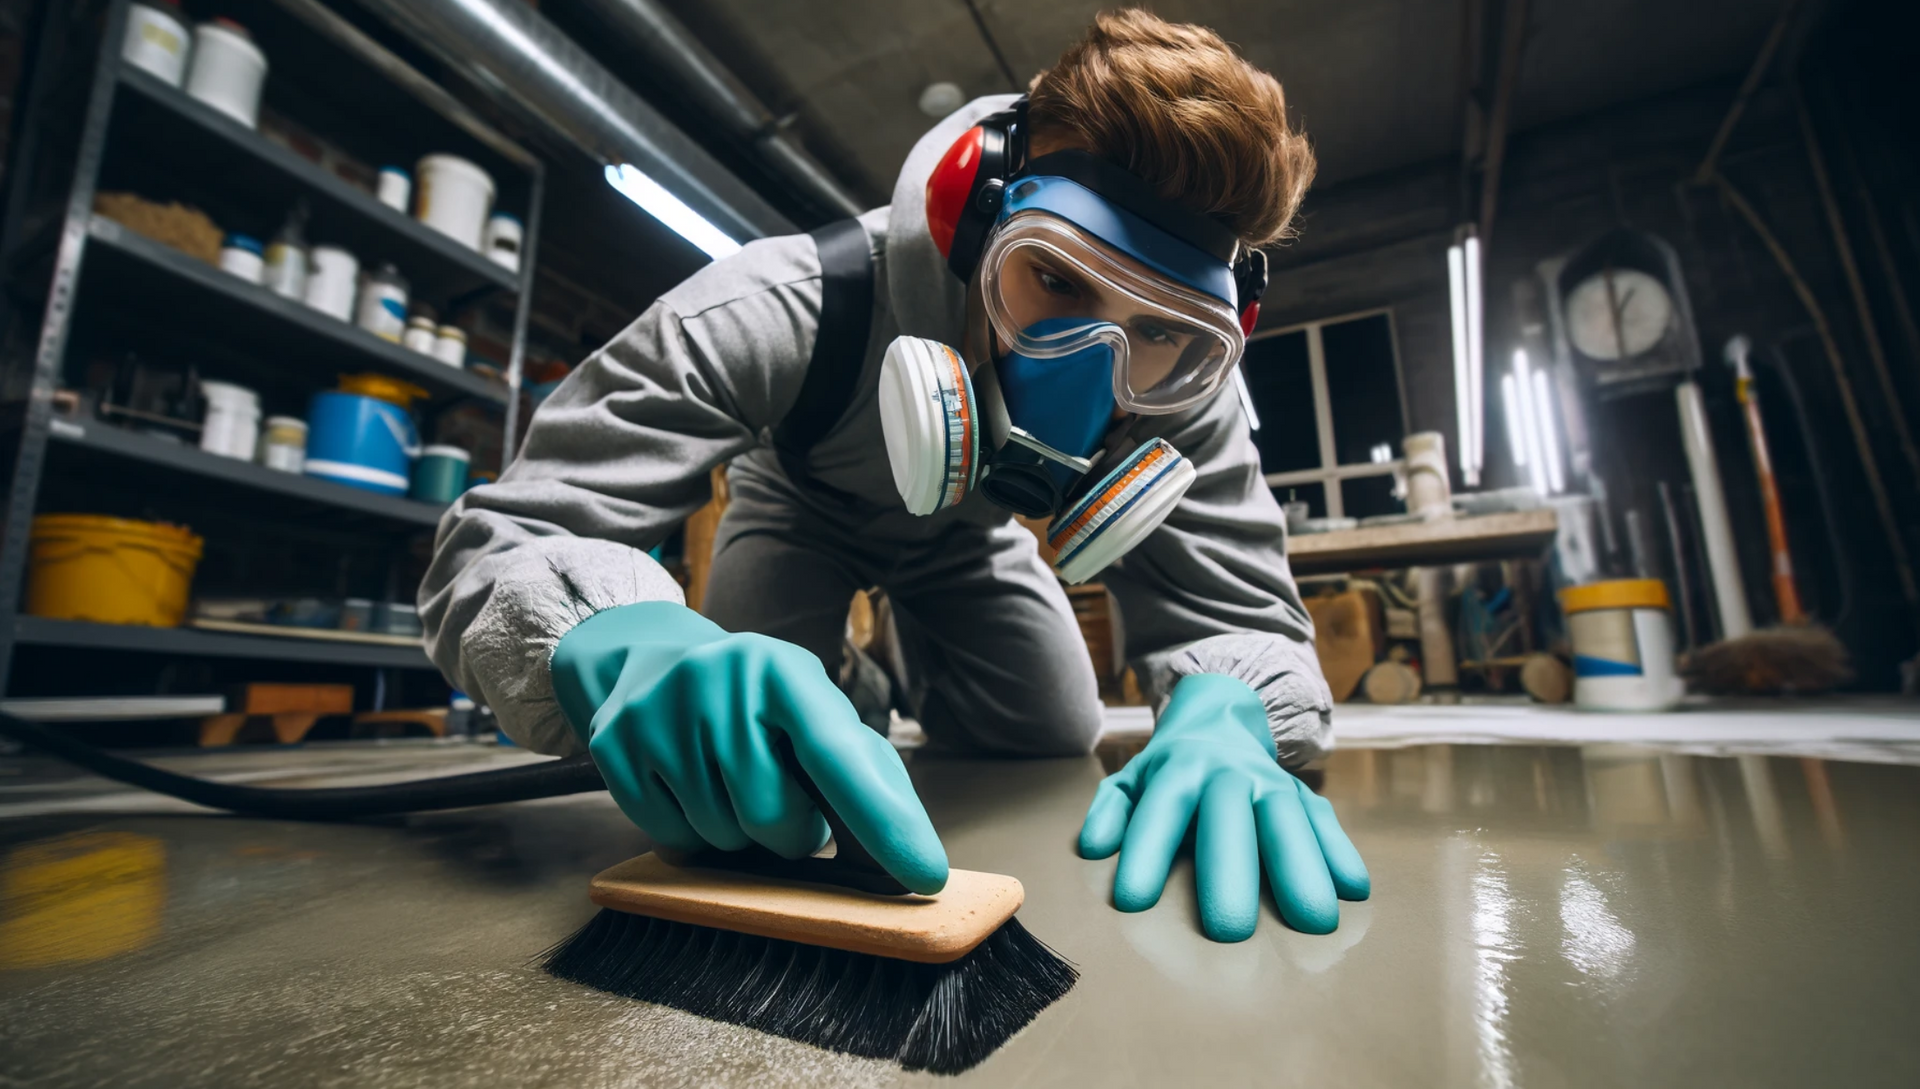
{"type": "Point", "coordinates": [328, 635]}
{"type": "Point", "coordinates": [929, 929]}
{"type": "Point", "coordinates": [1348, 637]}
{"type": "Point", "coordinates": [1421, 544]}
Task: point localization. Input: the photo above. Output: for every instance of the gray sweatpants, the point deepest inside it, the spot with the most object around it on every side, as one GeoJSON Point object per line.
{"type": "Point", "coordinates": [994, 659]}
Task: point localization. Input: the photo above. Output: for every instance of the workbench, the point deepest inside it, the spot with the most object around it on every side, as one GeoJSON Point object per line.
{"type": "Point", "coordinates": [1542, 915]}
{"type": "Point", "coordinates": [1514, 535]}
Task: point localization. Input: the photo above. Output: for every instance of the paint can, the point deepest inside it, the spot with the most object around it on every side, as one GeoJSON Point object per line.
{"type": "Point", "coordinates": [455, 197]}
{"type": "Point", "coordinates": [441, 474]}
{"type": "Point", "coordinates": [330, 283]}
{"type": "Point", "coordinates": [356, 614]}
{"type": "Point", "coordinates": [232, 424]}
{"type": "Point", "coordinates": [421, 334]}
{"type": "Point", "coordinates": [450, 346]}
{"type": "Point", "coordinates": [156, 41]}
{"type": "Point", "coordinates": [242, 255]}
{"type": "Point", "coordinates": [360, 441]}
{"type": "Point", "coordinates": [396, 188]}
{"type": "Point", "coordinates": [1622, 634]}
{"type": "Point", "coordinates": [110, 570]}
{"type": "Point", "coordinates": [383, 304]}
{"type": "Point", "coordinates": [227, 70]}
{"type": "Point", "coordinates": [283, 446]}
{"type": "Point", "coordinates": [503, 240]}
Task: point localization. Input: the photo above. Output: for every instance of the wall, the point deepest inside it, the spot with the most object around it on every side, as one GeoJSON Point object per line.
{"type": "Point", "coordinates": [1382, 241]}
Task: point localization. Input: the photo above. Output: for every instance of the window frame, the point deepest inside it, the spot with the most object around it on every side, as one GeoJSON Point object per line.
{"type": "Point", "coordinates": [1330, 472]}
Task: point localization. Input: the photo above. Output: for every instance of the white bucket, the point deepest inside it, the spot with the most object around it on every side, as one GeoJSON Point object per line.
{"type": "Point", "coordinates": [232, 426]}
{"type": "Point", "coordinates": [227, 70]}
{"type": "Point", "coordinates": [156, 42]}
{"type": "Point", "coordinates": [1622, 640]}
{"type": "Point", "coordinates": [454, 198]}
{"type": "Point", "coordinates": [503, 239]}
{"type": "Point", "coordinates": [330, 286]}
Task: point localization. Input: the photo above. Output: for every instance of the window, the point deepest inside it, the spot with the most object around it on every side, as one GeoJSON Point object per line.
{"type": "Point", "coordinates": [1329, 397]}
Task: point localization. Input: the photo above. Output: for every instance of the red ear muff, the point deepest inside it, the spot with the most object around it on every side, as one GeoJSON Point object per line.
{"type": "Point", "coordinates": [1249, 318]}
{"type": "Point", "coordinates": [950, 187]}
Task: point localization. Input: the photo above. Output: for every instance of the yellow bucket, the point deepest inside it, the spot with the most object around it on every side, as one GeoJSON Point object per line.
{"type": "Point", "coordinates": [110, 570]}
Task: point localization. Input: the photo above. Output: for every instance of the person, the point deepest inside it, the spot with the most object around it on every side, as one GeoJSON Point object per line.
{"type": "Point", "coordinates": [1055, 302]}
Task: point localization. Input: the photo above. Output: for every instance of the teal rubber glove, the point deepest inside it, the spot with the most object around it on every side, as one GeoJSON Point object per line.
{"type": "Point", "coordinates": [1212, 753]}
{"type": "Point", "coordinates": [680, 717]}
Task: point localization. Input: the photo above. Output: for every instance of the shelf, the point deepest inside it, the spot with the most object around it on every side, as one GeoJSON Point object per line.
{"type": "Point", "coordinates": [236, 172]}
{"type": "Point", "coordinates": [1486, 537]}
{"type": "Point", "coordinates": [295, 494]}
{"type": "Point", "coordinates": [186, 642]}
{"type": "Point", "coordinates": [130, 275]}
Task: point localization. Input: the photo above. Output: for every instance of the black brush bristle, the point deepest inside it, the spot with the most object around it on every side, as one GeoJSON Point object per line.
{"type": "Point", "coordinates": [939, 1017]}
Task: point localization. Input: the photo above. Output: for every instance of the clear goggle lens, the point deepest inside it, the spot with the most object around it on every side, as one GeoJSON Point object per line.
{"type": "Point", "coordinates": [1179, 345]}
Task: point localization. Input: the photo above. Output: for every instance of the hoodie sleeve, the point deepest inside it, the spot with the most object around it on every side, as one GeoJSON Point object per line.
{"type": "Point", "coordinates": [1210, 590]}
{"type": "Point", "coordinates": [617, 457]}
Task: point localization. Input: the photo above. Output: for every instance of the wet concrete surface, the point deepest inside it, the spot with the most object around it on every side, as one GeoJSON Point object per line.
{"type": "Point", "coordinates": [1542, 916]}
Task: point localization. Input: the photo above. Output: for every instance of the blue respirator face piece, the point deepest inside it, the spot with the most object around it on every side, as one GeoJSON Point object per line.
{"type": "Point", "coordinates": [1029, 436]}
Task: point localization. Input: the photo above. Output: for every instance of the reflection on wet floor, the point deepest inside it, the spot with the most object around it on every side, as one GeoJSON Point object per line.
{"type": "Point", "coordinates": [1542, 916]}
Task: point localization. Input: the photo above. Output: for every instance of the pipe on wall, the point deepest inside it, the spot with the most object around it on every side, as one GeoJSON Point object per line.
{"type": "Point", "coordinates": [509, 50]}
{"type": "Point", "coordinates": [666, 43]}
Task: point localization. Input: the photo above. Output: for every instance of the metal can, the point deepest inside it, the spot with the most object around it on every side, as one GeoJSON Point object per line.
{"type": "Point", "coordinates": [383, 304]}
{"type": "Point", "coordinates": [450, 347]}
{"type": "Point", "coordinates": [283, 445]}
{"type": "Point", "coordinates": [420, 335]}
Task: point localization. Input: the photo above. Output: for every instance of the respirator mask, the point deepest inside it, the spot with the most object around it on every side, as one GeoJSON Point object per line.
{"type": "Point", "coordinates": [1095, 315]}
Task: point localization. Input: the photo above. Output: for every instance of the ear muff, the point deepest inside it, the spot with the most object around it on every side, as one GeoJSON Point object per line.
{"type": "Point", "coordinates": [931, 423]}
{"type": "Point", "coordinates": [964, 190]}
{"type": "Point", "coordinates": [1119, 512]}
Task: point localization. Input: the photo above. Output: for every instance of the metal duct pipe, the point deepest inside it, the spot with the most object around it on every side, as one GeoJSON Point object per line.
{"type": "Point", "coordinates": [509, 49]}
{"type": "Point", "coordinates": [686, 63]}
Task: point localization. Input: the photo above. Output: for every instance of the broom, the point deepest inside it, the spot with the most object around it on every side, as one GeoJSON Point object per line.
{"type": "Point", "coordinates": [829, 951]}
{"type": "Point", "coordinates": [1797, 657]}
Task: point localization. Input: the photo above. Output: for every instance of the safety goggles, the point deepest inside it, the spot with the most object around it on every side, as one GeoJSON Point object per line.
{"type": "Point", "coordinates": [1174, 344]}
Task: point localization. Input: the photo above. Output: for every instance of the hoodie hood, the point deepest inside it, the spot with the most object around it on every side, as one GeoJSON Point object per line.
{"type": "Point", "coordinates": [928, 300]}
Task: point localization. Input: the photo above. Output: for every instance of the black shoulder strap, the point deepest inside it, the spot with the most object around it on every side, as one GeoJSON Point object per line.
{"type": "Point", "coordinates": [839, 346]}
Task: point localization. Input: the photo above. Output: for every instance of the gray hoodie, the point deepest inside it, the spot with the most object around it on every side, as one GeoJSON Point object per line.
{"type": "Point", "coordinates": [620, 454]}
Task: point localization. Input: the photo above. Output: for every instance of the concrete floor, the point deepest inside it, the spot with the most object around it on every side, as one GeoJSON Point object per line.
{"type": "Point", "coordinates": [1542, 916]}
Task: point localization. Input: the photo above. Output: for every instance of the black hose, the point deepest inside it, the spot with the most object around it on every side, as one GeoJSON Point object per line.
{"type": "Point", "coordinates": [547, 779]}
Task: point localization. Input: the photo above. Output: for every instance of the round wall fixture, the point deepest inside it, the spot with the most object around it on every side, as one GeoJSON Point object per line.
{"type": "Point", "coordinates": [942, 98]}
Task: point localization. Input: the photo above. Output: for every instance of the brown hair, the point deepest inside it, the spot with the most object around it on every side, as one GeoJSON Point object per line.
{"type": "Point", "coordinates": [1175, 105]}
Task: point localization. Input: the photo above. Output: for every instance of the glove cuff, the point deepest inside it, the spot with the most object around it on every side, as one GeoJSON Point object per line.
{"type": "Point", "coordinates": [1202, 698]}
{"type": "Point", "coordinates": [588, 661]}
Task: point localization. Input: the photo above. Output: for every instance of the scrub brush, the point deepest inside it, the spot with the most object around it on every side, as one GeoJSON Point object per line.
{"type": "Point", "coordinates": [827, 951]}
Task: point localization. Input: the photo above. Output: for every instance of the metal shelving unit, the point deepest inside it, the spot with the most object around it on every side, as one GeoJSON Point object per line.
{"type": "Point", "coordinates": [124, 129]}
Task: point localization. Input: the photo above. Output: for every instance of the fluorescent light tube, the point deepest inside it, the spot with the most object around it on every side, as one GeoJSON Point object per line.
{"type": "Point", "coordinates": [1516, 438]}
{"type": "Point", "coordinates": [1529, 428]}
{"type": "Point", "coordinates": [1549, 438]}
{"type": "Point", "coordinates": [671, 210]}
{"type": "Point", "coordinates": [1462, 406]}
{"type": "Point", "coordinates": [1476, 372]}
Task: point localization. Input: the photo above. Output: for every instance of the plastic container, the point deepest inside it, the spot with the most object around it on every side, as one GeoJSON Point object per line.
{"type": "Point", "coordinates": [283, 445]}
{"type": "Point", "coordinates": [245, 257]}
{"type": "Point", "coordinates": [455, 197]}
{"type": "Point", "coordinates": [394, 391]}
{"type": "Point", "coordinates": [396, 188]}
{"type": "Point", "coordinates": [232, 425]}
{"type": "Point", "coordinates": [420, 334]}
{"type": "Point", "coordinates": [287, 257]}
{"type": "Point", "coordinates": [450, 346]}
{"type": "Point", "coordinates": [503, 240]}
{"type": "Point", "coordinates": [156, 41]}
{"type": "Point", "coordinates": [383, 304]}
{"type": "Point", "coordinates": [227, 70]}
{"type": "Point", "coordinates": [1622, 634]}
{"type": "Point", "coordinates": [332, 281]}
{"type": "Point", "coordinates": [393, 618]}
{"type": "Point", "coordinates": [360, 441]}
{"type": "Point", "coordinates": [110, 570]}
{"type": "Point", "coordinates": [441, 474]}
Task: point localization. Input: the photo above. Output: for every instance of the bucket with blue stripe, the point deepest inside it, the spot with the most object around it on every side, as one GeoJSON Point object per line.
{"type": "Point", "coordinates": [360, 441]}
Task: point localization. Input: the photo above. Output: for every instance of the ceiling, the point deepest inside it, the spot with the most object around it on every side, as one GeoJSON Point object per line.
{"type": "Point", "coordinates": [1375, 83]}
